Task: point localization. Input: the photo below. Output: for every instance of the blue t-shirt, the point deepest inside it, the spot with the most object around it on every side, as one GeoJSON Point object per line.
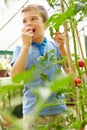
{"type": "Point", "coordinates": [29, 98]}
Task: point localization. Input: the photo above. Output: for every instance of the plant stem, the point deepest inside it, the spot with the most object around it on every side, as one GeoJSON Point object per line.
{"type": "Point", "coordinates": [69, 59]}
{"type": "Point", "coordinates": [78, 37]}
{"type": "Point", "coordinates": [72, 24]}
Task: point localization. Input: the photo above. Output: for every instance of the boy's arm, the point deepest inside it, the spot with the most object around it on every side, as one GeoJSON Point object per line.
{"type": "Point", "coordinates": [59, 39]}
{"type": "Point", "coordinates": [19, 65]}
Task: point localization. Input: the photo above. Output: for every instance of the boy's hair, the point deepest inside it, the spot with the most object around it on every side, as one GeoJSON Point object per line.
{"type": "Point", "coordinates": [39, 8]}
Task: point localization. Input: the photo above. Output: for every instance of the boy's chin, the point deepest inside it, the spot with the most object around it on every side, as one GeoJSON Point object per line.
{"type": "Point", "coordinates": [33, 39]}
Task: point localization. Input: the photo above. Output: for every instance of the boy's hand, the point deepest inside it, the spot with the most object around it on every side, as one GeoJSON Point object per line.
{"type": "Point", "coordinates": [59, 38]}
{"type": "Point", "coordinates": [27, 34]}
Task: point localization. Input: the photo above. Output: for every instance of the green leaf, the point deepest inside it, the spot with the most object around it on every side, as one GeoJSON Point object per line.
{"type": "Point", "coordinates": [43, 76]}
{"type": "Point", "coordinates": [79, 7]}
{"type": "Point", "coordinates": [61, 83]}
{"type": "Point", "coordinates": [42, 63]}
{"type": "Point", "coordinates": [51, 31]}
{"type": "Point", "coordinates": [56, 20]}
{"type": "Point", "coordinates": [51, 3]}
{"type": "Point", "coordinates": [25, 76]}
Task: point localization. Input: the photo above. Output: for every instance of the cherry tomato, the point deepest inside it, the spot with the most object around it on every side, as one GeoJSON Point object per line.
{"type": "Point", "coordinates": [77, 81]}
{"type": "Point", "coordinates": [81, 63]}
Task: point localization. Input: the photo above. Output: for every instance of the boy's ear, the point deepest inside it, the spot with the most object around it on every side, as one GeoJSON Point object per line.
{"type": "Point", "coordinates": [45, 27]}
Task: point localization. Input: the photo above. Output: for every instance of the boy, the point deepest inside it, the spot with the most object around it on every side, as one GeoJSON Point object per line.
{"type": "Point", "coordinates": [34, 45]}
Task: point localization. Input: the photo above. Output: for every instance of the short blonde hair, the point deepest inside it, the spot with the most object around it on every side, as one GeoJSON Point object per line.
{"type": "Point", "coordinates": [41, 9]}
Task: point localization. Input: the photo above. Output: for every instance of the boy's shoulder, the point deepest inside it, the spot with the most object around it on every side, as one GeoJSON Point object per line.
{"type": "Point", "coordinates": [51, 42]}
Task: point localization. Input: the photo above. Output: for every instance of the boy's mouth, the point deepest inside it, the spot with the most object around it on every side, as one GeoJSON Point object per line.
{"type": "Point", "coordinates": [33, 30]}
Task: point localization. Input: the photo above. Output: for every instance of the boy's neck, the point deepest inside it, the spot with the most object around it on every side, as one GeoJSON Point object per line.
{"type": "Point", "coordinates": [39, 40]}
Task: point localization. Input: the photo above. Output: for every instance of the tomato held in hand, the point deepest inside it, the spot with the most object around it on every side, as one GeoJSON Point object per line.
{"type": "Point", "coordinates": [77, 81]}
{"type": "Point", "coordinates": [81, 63]}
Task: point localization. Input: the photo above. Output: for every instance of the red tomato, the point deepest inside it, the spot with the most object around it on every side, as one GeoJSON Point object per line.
{"type": "Point", "coordinates": [77, 81]}
{"type": "Point", "coordinates": [6, 122]}
{"type": "Point", "coordinates": [81, 63]}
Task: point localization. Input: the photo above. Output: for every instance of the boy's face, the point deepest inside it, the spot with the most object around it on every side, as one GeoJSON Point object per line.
{"type": "Point", "coordinates": [32, 20]}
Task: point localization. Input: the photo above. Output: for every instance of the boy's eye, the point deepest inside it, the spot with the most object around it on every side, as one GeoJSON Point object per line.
{"type": "Point", "coordinates": [34, 19]}
{"type": "Point", "coordinates": [24, 21]}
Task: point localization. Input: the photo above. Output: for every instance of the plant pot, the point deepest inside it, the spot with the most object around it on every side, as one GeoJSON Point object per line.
{"type": "Point", "coordinates": [3, 73]}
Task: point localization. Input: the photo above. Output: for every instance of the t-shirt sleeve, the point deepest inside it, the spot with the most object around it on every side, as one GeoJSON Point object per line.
{"type": "Point", "coordinates": [15, 54]}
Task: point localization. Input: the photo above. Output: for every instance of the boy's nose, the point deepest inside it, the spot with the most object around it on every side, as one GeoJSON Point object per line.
{"type": "Point", "coordinates": [29, 22]}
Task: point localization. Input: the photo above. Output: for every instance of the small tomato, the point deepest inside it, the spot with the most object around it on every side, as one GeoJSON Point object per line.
{"type": "Point", "coordinates": [77, 81]}
{"type": "Point", "coordinates": [81, 63]}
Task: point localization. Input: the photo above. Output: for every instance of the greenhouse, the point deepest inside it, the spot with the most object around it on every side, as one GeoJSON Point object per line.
{"type": "Point", "coordinates": [43, 65]}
